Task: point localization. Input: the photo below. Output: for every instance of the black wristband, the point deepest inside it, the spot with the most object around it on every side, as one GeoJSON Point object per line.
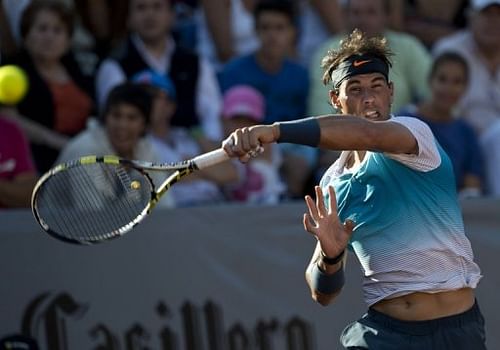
{"type": "Point", "coordinates": [300, 132]}
{"type": "Point", "coordinates": [331, 261]}
{"type": "Point", "coordinates": [326, 283]}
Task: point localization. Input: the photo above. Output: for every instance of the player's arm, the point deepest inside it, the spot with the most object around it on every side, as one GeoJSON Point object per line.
{"type": "Point", "coordinates": [329, 270]}
{"type": "Point", "coordinates": [333, 132]}
{"type": "Point", "coordinates": [325, 272]}
{"type": "Point", "coordinates": [356, 133]}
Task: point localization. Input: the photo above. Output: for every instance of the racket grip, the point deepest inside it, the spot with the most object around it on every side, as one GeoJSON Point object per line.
{"type": "Point", "coordinates": [211, 158]}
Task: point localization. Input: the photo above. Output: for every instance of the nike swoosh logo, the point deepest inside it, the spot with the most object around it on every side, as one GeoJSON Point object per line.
{"type": "Point", "coordinates": [360, 63]}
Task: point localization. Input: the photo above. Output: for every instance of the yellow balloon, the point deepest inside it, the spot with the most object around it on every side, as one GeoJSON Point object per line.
{"type": "Point", "coordinates": [13, 84]}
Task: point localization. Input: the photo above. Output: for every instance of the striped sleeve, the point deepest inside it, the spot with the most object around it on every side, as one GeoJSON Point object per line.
{"type": "Point", "coordinates": [428, 157]}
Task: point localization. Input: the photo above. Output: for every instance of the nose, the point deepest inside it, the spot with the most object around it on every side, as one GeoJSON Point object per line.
{"type": "Point", "coordinates": [368, 97]}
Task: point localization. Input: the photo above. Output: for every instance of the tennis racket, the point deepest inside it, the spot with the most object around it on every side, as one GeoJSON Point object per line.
{"type": "Point", "coordinates": [95, 199]}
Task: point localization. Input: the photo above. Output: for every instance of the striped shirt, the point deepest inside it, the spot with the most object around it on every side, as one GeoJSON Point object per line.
{"type": "Point", "coordinates": [409, 233]}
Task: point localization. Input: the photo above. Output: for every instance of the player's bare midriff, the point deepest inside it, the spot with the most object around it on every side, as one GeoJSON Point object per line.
{"type": "Point", "coordinates": [427, 306]}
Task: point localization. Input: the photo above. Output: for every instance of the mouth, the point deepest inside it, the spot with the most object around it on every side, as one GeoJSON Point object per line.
{"type": "Point", "coordinates": [372, 115]}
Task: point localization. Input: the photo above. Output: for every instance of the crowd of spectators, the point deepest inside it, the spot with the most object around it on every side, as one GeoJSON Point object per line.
{"type": "Point", "coordinates": [165, 80]}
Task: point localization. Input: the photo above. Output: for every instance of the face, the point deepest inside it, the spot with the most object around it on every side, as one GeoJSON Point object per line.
{"type": "Point", "coordinates": [365, 95]}
{"type": "Point", "coordinates": [150, 19]}
{"type": "Point", "coordinates": [448, 84]}
{"type": "Point", "coordinates": [367, 15]}
{"type": "Point", "coordinates": [276, 33]}
{"type": "Point", "coordinates": [48, 38]}
{"type": "Point", "coordinates": [125, 125]}
{"type": "Point", "coordinates": [162, 110]}
{"type": "Point", "coordinates": [485, 26]}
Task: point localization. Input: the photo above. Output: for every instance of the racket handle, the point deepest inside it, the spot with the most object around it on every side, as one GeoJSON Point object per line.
{"type": "Point", "coordinates": [211, 158]}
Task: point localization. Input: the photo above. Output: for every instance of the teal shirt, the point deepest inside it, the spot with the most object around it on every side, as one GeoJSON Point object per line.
{"type": "Point", "coordinates": [393, 204]}
{"type": "Point", "coordinates": [409, 233]}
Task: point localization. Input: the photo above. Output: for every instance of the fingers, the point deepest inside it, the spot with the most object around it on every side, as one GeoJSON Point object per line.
{"type": "Point", "coordinates": [308, 225]}
{"type": "Point", "coordinates": [243, 144]}
{"type": "Point", "coordinates": [313, 210]}
{"type": "Point", "coordinates": [349, 226]}
{"type": "Point", "coordinates": [320, 201]}
{"type": "Point", "coordinates": [242, 140]}
{"type": "Point", "coordinates": [332, 200]}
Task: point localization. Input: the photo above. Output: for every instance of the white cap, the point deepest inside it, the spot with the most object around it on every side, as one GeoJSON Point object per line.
{"type": "Point", "coordinates": [479, 5]}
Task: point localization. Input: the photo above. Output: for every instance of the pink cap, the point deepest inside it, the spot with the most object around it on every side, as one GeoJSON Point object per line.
{"type": "Point", "coordinates": [244, 101]}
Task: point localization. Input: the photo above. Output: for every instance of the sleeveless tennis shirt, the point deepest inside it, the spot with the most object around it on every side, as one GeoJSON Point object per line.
{"type": "Point", "coordinates": [409, 233]}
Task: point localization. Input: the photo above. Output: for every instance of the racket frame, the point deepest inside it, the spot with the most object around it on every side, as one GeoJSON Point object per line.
{"type": "Point", "coordinates": [181, 169]}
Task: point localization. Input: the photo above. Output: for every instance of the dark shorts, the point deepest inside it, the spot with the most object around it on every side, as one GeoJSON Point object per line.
{"type": "Point", "coordinates": [376, 331]}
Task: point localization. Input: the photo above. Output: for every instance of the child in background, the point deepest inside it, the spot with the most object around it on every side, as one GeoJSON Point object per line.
{"type": "Point", "coordinates": [120, 131]}
{"type": "Point", "coordinates": [174, 144]}
{"type": "Point", "coordinates": [259, 179]}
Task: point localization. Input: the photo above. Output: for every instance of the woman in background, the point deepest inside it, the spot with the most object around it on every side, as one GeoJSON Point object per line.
{"type": "Point", "coordinates": [448, 81]}
{"type": "Point", "coordinates": [59, 99]}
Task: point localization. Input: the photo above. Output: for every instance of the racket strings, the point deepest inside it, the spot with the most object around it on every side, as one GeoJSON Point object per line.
{"type": "Point", "coordinates": [93, 202]}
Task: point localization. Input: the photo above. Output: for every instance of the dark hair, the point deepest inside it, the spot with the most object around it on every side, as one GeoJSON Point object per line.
{"type": "Point", "coordinates": [446, 57]}
{"type": "Point", "coordinates": [36, 6]}
{"type": "Point", "coordinates": [356, 43]}
{"type": "Point", "coordinates": [136, 95]}
{"type": "Point", "coordinates": [285, 7]}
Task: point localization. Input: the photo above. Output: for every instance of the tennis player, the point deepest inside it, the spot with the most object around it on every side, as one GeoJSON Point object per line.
{"type": "Point", "coordinates": [391, 199]}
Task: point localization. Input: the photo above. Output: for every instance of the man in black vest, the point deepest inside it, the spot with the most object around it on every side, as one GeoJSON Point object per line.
{"type": "Point", "coordinates": [150, 46]}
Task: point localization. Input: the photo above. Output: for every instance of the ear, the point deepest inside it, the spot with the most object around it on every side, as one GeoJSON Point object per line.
{"type": "Point", "coordinates": [334, 99]}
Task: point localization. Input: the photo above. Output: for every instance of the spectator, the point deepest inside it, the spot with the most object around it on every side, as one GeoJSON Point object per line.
{"type": "Point", "coordinates": [480, 105]}
{"type": "Point", "coordinates": [150, 46]}
{"type": "Point", "coordinates": [185, 27]}
{"type": "Point", "coordinates": [120, 131]}
{"type": "Point", "coordinates": [411, 59]}
{"type": "Point", "coordinates": [105, 21]}
{"type": "Point", "coordinates": [59, 95]}
{"type": "Point", "coordinates": [174, 144]}
{"type": "Point", "coordinates": [10, 17]}
{"type": "Point", "coordinates": [432, 20]}
{"type": "Point", "coordinates": [283, 82]}
{"type": "Point", "coordinates": [225, 30]}
{"type": "Point", "coordinates": [259, 179]}
{"type": "Point", "coordinates": [480, 46]}
{"type": "Point", "coordinates": [318, 20]}
{"type": "Point", "coordinates": [491, 147]}
{"type": "Point", "coordinates": [82, 41]}
{"type": "Point", "coordinates": [448, 82]}
{"type": "Point", "coordinates": [17, 171]}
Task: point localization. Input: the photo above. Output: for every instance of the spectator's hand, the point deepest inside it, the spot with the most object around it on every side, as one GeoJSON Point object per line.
{"type": "Point", "coordinates": [325, 224]}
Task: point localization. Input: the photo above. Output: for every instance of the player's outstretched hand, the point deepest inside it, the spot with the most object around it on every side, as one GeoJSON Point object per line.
{"type": "Point", "coordinates": [324, 223]}
{"type": "Point", "coordinates": [245, 142]}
